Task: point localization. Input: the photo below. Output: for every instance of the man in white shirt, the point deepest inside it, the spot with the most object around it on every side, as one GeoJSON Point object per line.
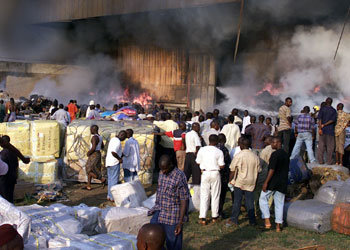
{"type": "Point", "coordinates": [206, 124]}
{"type": "Point", "coordinates": [214, 130]}
{"type": "Point", "coordinates": [93, 114]}
{"type": "Point", "coordinates": [131, 157]}
{"type": "Point", "coordinates": [113, 161]}
{"type": "Point", "coordinates": [238, 120]}
{"type": "Point", "coordinates": [232, 133]}
{"type": "Point", "coordinates": [210, 160]}
{"type": "Point", "coordinates": [246, 121]}
{"type": "Point", "coordinates": [61, 116]}
{"type": "Point", "coordinates": [193, 144]}
{"type": "Point", "coordinates": [92, 102]}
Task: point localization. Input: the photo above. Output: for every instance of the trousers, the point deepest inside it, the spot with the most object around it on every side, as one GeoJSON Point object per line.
{"type": "Point", "coordinates": [306, 138]}
{"type": "Point", "coordinates": [113, 178]}
{"type": "Point", "coordinates": [210, 190]}
{"type": "Point", "coordinates": [278, 199]}
{"type": "Point", "coordinates": [249, 203]}
{"type": "Point", "coordinates": [326, 144]}
{"type": "Point", "coordinates": [180, 158]}
{"type": "Point", "coordinates": [285, 137]}
{"type": "Point", "coordinates": [172, 241]}
{"type": "Point", "coordinates": [192, 169]}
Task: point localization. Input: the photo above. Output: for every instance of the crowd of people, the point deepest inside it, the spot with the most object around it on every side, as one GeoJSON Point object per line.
{"type": "Point", "coordinates": [247, 156]}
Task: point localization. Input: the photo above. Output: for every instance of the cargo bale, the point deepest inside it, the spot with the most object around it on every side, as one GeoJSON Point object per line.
{"type": "Point", "coordinates": [78, 144]}
{"type": "Point", "coordinates": [38, 172]}
{"type": "Point", "coordinates": [45, 137]}
{"type": "Point", "coordinates": [19, 132]}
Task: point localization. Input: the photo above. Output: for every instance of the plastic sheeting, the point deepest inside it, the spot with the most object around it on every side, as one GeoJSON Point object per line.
{"type": "Point", "coordinates": [48, 220]}
{"type": "Point", "coordinates": [343, 195]}
{"type": "Point", "coordinates": [129, 194]}
{"type": "Point", "coordinates": [87, 216]}
{"type": "Point", "coordinates": [126, 220]}
{"type": "Point", "coordinates": [9, 214]}
{"type": "Point", "coordinates": [328, 192]}
{"type": "Point", "coordinates": [78, 144]}
{"type": "Point", "coordinates": [150, 202]}
{"type": "Point", "coordinates": [310, 215]}
{"type": "Point", "coordinates": [39, 172]}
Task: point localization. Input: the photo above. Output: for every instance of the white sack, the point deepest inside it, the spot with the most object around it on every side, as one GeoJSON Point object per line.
{"type": "Point", "coordinates": [150, 202]}
{"type": "Point", "coordinates": [9, 214]}
{"type": "Point", "coordinates": [126, 220]}
{"type": "Point", "coordinates": [129, 194]}
{"type": "Point", "coordinates": [328, 192]}
{"type": "Point", "coordinates": [343, 195]}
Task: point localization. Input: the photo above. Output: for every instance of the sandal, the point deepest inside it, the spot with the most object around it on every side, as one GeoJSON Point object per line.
{"type": "Point", "coordinates": [87, 188]}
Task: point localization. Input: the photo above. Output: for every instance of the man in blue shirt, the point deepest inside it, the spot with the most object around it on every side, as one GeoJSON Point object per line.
{"type": "Point", "coordinates": [326, 124]}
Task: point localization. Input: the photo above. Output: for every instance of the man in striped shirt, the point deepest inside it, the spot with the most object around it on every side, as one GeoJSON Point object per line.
{"type": "Point", "coordinates": [304, 132]}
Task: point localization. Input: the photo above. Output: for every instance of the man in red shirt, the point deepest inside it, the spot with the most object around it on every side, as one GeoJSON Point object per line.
{"type": "Point", "coordinates": [72, 110]}
{"type": "Point", "coordinates": [179, 145]}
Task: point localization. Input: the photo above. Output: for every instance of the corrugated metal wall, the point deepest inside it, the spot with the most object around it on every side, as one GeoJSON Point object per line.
{"type": "Point", "coordinates": [63, 10]}
{"type": "Point", "coordinates": [170, 75]}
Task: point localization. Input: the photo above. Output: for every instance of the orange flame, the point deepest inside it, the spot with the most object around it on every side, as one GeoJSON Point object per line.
{"type": "Point", "coordinates": [269, 87]}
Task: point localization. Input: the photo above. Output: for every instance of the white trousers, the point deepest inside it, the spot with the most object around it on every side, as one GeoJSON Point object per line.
{"type": "Point", "coordinates": [210, 190]}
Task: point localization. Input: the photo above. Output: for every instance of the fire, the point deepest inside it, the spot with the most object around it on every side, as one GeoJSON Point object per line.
{"type": "Point", "coordinates": [317, 89]}
{"type": "Point", "coordinates": [269, 87]}
{"type": "Point", "coordinates": [143, 99]}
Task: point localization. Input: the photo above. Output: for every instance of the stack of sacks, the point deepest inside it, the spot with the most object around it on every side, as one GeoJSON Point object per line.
{"type": "Point", "coordinates": [315, 214]}
{"type": "Point", "coordinates": [79, 140]}
{"type": "Point", "coordinates": [40, 140]}
{"type": "Point", "coordinates": [9, 214]}
{"type": "Point", "coordinates": [129, 194]}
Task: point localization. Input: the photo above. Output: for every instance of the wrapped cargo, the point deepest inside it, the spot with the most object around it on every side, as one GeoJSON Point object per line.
{"type": "Point", "coordinates": [48, 220]}
{"type": "Point", "coordinates": [9, 214]}
{"type": "Point", "coordinates": [46, 140]}
{"type": "Point", "coordinates": [129, 194]}
{"type": "Point", "coordinates": [78, 144]}
{"type": "Point", "coordinates": [87, 216]}
{"type": "Point", "coordinates": [310, 215]}
{"type": "Point", "coordinates": [328, 192]}
{"type": "Point", "coordinates": [38, 172]}
{"type": "Point", "coordinates": [122, 219]}
{"type": "Point", "coordinates": [19, 132]}
{"type": "Point", "coordinates": [343, 195]}
{"type": "Point", "coordinates": [150, 202]}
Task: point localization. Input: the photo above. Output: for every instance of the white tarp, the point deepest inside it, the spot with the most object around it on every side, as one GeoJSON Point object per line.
{"type": "Point", "coordinates": [150, 202]}
{"type": "Point", "coordinates": [9, 214]}
{"type": "Point", "coordinates": [129, 194]}
{"type": "Point", "coordinates": [48, 220]}
{"type": "Point", "coordinates": [126, 220]}
{"type": "Point", "coordinates": [87, 216]}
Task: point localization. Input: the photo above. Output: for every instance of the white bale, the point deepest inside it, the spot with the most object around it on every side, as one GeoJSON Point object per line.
{"type": "Point", "coordinates": [126, 220]}
{"type": "Point", "coordinates": [150, 202]}
{"type": "Point", "coordinates": [328, 192]}
{"type": "Point", "coordinates": [60, 241]}
{"type": "Point", "coordinates": [36, 242]}
{"type": "Point", "coordinates": [87, 216]}
{"type": "Point", "coordinates": [343, 195]}
{"type": "Point", "coordinates": [9, 214]}
{"type": "Point", "coordinates": [48, 220]}
{"type": "Point", "coordinates": [116, 240]}
{"type": "Point", "coordinates": [130, 194]}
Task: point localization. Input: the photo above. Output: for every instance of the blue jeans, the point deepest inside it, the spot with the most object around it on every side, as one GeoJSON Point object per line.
{"type": "Point", "coordinates": [278, 199]}
{"type": "Point", "coordinates": [129, 176]}
{"type": "Point", "coordinates": [173, 242]}
{"type": "Point", "coordinates": [113, 178]}
{"type": "Point", "coordinates": [249, 203]}
{"type": "Point", "coordinates": [307, 138]}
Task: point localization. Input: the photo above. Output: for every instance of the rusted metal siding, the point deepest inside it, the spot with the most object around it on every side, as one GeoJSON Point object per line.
{"type": "Point", "coordinates": [66, 10]}
{"type": "Point", "coordinates": [170, 75]}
